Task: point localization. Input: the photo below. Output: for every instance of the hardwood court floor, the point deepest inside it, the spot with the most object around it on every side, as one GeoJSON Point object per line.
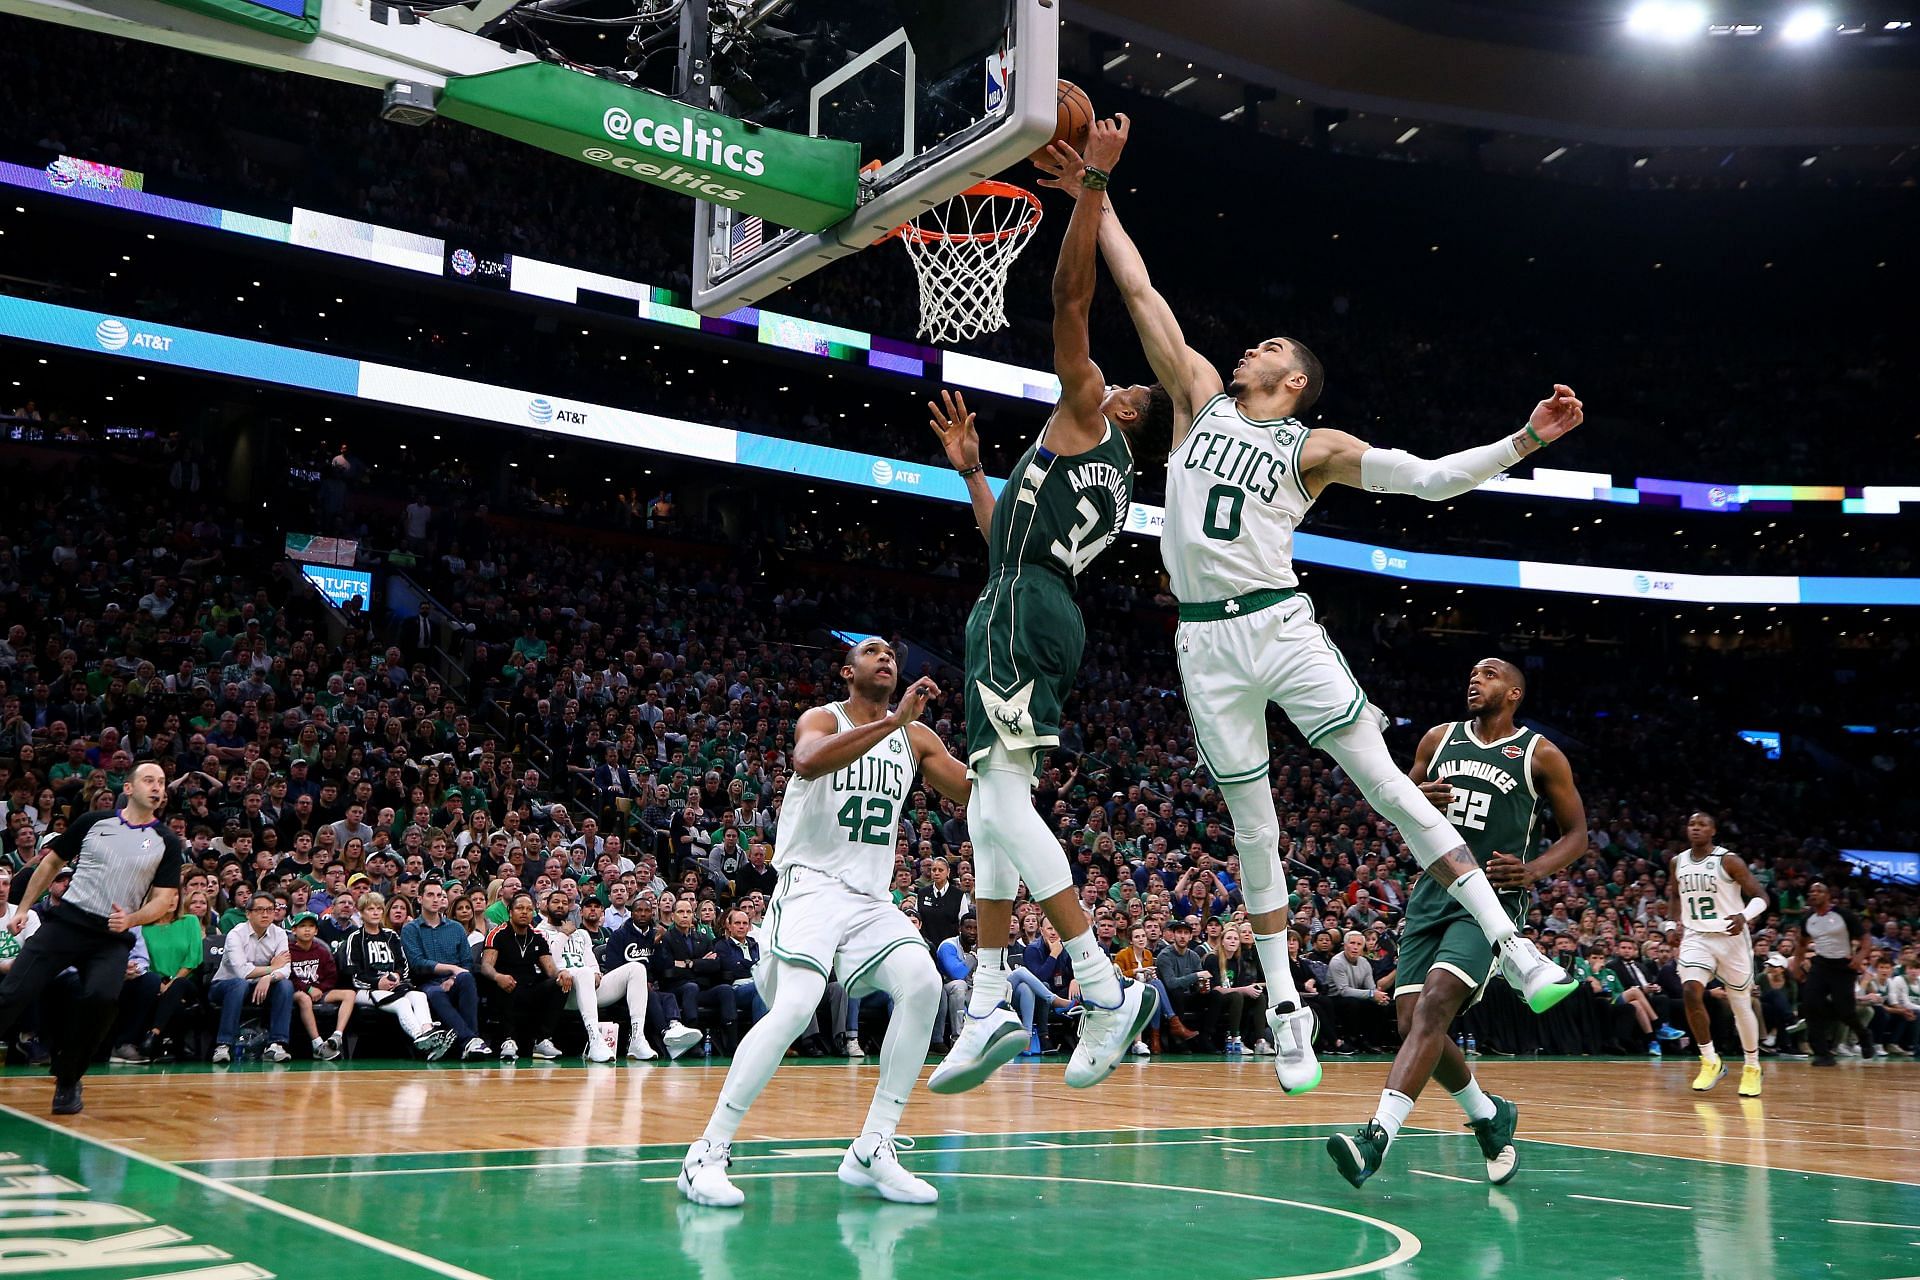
{"type": "Point", "coordinates": [1192, 1165]}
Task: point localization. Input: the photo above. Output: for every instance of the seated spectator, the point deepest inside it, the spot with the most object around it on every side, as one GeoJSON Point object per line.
{"type": "Point", "coordinates": [1235, 999]}
{"type": "Point", "coordinates": [689, 971]}
{"type": "Point", "coordinates": [255, 969]}
{"type": "Point", "coordinates": [957, 958]}
{"type": "Point", "coordinates": [374, 962]}
{"type": "Point", "coordinates": [440, 961]}
{"type": "Point", "coordinates": [1361, 1010]}
{"type": "Point", "coordinates": [316, 981]}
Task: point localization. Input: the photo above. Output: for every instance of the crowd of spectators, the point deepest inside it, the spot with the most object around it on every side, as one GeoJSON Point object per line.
{"type": "Point", "coordinates": [593, 781]}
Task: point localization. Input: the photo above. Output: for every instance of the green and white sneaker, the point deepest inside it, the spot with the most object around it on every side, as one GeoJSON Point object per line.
{"type": "Point", "coordinates": [1358, 1155]}
{"type": "Point", "coordinates": [1496, 1140]}
{"type": "Point", "coordinates": [1540, 982]}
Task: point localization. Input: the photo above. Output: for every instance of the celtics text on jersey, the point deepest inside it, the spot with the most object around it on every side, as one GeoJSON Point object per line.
{"type": "Point", "coordinates": [1708, 895]}
{"type": "Point", "coordinates": [843, 823]}
{"type": "Point", "coordinates": [1494, 807]}
{"type": "Point", "coordinates": [1235, 495]}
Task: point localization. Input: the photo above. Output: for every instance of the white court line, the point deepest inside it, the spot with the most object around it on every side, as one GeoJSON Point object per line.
{"type": "Point", "coordinates": [632, 1146]}
{"type": "Point", "coordinates": [1052, 1146]}
{"type": "Point", "coordinates": [1638, 1204]}
{"type": "Point", "coordinates": [257, 1201]}
{"type": "Point", "coordinates": [1445, 1177]}
{"type": "Point", "coordinates": [1239, 1151]}
{"type": "Point", "coordinates": [797, 1154]}
{"type": "Point", "coordinates": [1724, 1164]}
{"type": "Point", "coordinates": [1407, 1245]}
{"type": "Point", "coordinates": [1850, 1222]}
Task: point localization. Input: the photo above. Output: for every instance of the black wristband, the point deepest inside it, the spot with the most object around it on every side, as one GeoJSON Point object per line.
{"type": "Point", "coordinates": [975, 469]}
{"type": "Point", "coordinates": [1094, 179]}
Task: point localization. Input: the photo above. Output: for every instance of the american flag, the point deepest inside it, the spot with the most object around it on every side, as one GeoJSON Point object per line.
{"type": "Point", "coordinates": [744, 239]}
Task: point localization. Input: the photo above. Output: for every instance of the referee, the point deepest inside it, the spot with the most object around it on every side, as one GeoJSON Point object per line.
{"type": "Point", "coordinates": [117, 858]}
{"type": "Point", "coordinates": [1833, 952]}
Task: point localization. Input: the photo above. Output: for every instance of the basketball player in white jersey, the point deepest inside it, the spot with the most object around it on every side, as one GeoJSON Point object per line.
{"type": "Point", "coordinates": [853, 765]}
{"type": "Point", "coordinates": [1242, 475]}
{"type": "Point", "coordinates": [1714, 898]}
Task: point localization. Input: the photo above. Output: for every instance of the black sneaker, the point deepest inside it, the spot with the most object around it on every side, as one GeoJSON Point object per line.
{"type": "Point", "coordinates": [36, 1052]}
{"type": "Point", "coordinates": [129, 1053]}
{"type": "Point", "coordinates": [66, 1099]}
{"type": "Point", "coordinates": [1825, 1060]}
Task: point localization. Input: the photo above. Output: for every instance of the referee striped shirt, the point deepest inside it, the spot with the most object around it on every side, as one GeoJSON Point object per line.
{"type": "Point", "coordinates": [115, 861]}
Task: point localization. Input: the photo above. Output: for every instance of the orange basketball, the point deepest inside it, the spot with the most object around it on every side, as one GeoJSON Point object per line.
{"type": "Point", "coordinates": [1075, 117]}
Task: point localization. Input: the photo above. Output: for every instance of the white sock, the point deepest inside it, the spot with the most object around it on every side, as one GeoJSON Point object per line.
{"type": "Point", "coordinates": [903, 1052]}
{"type": "Point", "coordinates": [1474, 892]}
{"type": "Point", "coordinates": [1272, 948]}
{"type": "Point", "coordinates": [797, 993]}
{"type": "Point", "coordinates": [1099, 983]}
{"type": "Point", "coordinates": [1393, 1111]}
{"type": "Point", "coordinates": [990, 982]}
{"type": "Point", "coordinates": [1748, 1024]}
{"type": "Point", "coordinates": [1708, 1053]}
{"type": "Point", "coordinates": [1474, 1101]}
{"type": "Point", "coordinates": [317, 1042]}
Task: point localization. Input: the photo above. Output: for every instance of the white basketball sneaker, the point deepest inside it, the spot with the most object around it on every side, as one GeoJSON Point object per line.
{"type": "Point", "coordinates": [873, 1162]}
{"type": "Point", "coordinates": [638, 1050]}
{"type": "Point", "coordinates": [679, 1038]}
{"type": "Point", "coordinates": [1540, 982]}
{"type": "Point", "coordinates": [984, 1046]}
{"type": "Point", "coordinates": [703, 1175]}
{"type": "Point", "coordinates": [597, 1049]}
{"type": "Point", "coordinates": [1293, 1057]}
{"type": "Point", "coordinates": [1107, 1034]}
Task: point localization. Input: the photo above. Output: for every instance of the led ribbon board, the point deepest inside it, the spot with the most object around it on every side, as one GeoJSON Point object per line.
{"type": "Point", "coordinates": [101, 334]}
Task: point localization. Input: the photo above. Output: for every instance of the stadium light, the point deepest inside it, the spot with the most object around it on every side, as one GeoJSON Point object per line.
{"type": "Point", "coordinates": [1667, 19]}
{"type": "Point", "coordinates": [1806, 24]}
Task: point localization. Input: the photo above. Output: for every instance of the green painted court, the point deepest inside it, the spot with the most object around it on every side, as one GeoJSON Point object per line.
{"type": "Point", "coordinates": [1228, 1202]}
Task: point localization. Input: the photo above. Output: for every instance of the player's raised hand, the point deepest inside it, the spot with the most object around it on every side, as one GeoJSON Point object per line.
{"type": "Point", "coordinates": [952, 421]}
{"type": "Point", "coordinates": [1106, 139]}
{"type": "Point", "coordinates": [913, 703]}
{"type": "Point", "coordinates": [1558, 414]}
{"type": "Point", "coordinates": [1049, 162]}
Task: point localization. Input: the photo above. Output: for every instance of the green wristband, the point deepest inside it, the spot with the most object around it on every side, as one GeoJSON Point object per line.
{"type": "Point", "coordinates": [1535, 435]}
{"type": "Point", "coordinates": [1094, 179]}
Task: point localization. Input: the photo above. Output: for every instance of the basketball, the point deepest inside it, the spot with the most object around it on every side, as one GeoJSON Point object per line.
{"type": "Point", "coordinates": [1074, 118]}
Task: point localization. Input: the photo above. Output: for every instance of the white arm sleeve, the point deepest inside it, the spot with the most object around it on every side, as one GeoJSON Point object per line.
{"type": "Point", "coordinates": [1397, 471]}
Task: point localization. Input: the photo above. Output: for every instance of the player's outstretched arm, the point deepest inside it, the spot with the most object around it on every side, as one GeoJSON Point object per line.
{"type": "Point", "coordinates": [818, 749]}
{"type": "Point", "coordinates": [1334, 457]}
{"type": "Point", "coordinates": [952, 421]}
{"type": "Point", "coordinates": [944, 773]}
{"type": "Point", "coordinates": [1078, 421]}
{"type": "Point", "coordinates": [1188, 378]}
{"type": "Point", "coordinates": [1553, 778]}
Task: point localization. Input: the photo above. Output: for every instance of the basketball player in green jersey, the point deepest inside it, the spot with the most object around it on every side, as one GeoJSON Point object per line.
{"type": "Point", "coordinates": [1489, 775]}
{"type": "Point", "coordinates": [1243, 473]}
{"type": "Point", "coordinates": [853, 765]}
{"type": "Point", "coordinates": [1067, 498]}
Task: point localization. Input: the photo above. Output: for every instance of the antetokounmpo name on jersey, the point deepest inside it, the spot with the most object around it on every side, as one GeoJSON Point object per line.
{"type": "Point", "coordinates": [1481, 770]}
{"type": "Point", "coordinates": [1258, 471]}
{"type": "Point", "coordinates": [1104, 475]}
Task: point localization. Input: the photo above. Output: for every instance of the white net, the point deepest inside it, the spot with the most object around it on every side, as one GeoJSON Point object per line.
{"type": "Point", "coordinates": [962, 251]}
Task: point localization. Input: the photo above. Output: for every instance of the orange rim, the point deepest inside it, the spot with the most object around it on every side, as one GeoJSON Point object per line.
{"type": "Point", "coordinates": [1003, 190]}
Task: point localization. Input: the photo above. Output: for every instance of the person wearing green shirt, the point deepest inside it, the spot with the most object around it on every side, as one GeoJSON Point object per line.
{"type": "Point", "coordinates": [175, 951]}
{"type": "Point", "coordinates": [236, 915]}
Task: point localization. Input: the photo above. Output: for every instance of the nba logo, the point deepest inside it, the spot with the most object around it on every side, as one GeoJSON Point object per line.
{"type": "Point", "coordinates": [998, 67]}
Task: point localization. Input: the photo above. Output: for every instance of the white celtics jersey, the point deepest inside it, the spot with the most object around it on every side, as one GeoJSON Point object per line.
{"type": "Point", "coordinates": [1708, 895]}
{"type": "Point", "coordinates": [570, 950]}
{"type": "Point", "coordinates": [843, 823]}
{"type": "Point", "coordinates": [1234, 497]}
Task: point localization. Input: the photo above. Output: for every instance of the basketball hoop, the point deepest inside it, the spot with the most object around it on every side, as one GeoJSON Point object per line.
{"type": "Point", "coordinates": [962, 251]}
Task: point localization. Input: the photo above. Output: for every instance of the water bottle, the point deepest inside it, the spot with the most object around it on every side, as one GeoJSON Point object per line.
{"type": "Point", "coordinates": [706, 1045]}
{"type": "Point", "coordinates": [1473, 1048]}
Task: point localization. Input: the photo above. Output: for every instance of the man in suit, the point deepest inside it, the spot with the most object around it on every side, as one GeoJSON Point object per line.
{"type": "Point", "coordinates": [416, 634]}
{"type": "Point", "coordinates": [1638, 975]}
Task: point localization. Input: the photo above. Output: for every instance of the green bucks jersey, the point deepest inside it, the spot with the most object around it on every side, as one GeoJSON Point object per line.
{"type": "Point", "coordinates": [843, 823]}
{"type": "Point", "coordinates": [1059, 511]}
{"type": "Point", "coordinates": [1234, 498]}
{"type": "Point", "coordinates": [1494, 805]}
